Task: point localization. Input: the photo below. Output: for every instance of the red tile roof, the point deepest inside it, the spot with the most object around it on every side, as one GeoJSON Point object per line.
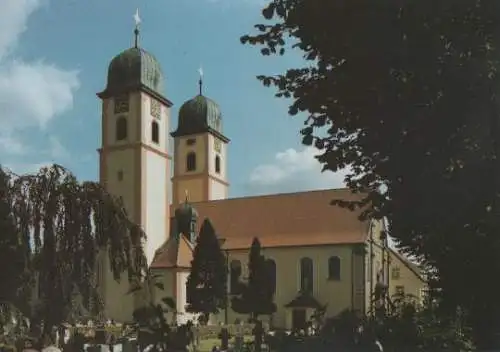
{"type": "Point", "coordinates": [279, 220]}
{"type": "Point", "coordinates": [174, 253]}
{"type": "Point", "coordinates": [291, 219]}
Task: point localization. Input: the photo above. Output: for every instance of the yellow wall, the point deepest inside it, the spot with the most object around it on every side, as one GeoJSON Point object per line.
{"type": "Point", "coordinates": [194, 182]}
{"type": "Point", "coordinates": [384, 260]}
{"type": "Point", "coordinates": [203, 183]}
{"type": "Point", "coordinates": [130, 169]}
{"type": "Point", "coordinates": [402, 277]}
{"type": "Point", "coordinates": [195, 187]}
{"type": "Point", "coordinates": [337, 294]}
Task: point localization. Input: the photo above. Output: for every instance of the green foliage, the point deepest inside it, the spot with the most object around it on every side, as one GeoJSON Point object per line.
{"type": "Point", "coordinates": [206, 287]}
{"type": "Point", "coordinates": [256, 297]}
{"type": "Point", "coordinates": [407, 326]}
{"type": "Point", "coordinates": [151, 317]}
{"type": "Point", "coordinates": [52, 229]}
{"type": "Point", "coordinates": [14, 259]}
{"type": "Point", "coordinates": [405, 94]}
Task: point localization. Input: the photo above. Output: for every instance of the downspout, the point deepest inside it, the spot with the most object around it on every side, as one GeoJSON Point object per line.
{"type": "Point", "coordinates": [370, 238]}
{"type": "Point", "coordinates": [386, 229]}
{"type": "Point", "coordinates": [353, 278]}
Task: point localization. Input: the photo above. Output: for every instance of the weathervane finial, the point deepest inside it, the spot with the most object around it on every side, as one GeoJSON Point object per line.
{"type": "Point", "coordinates": [137, 21]}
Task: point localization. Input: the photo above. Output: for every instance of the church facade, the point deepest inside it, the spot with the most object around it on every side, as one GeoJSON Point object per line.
{"type": "Point", "coordinates": [321, 255]}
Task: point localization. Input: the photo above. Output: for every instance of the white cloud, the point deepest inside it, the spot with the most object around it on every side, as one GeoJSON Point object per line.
{"type": "Point", "coordinates": [293, 171]}
{"type": "Point", "coordinates": [13, 20]}
{"type": "Point", "coordinates": [26, 168]}
{"type": "Point", "coordinates": [31, 93]}
{"type": "Point", "coordinates": [56, 150]}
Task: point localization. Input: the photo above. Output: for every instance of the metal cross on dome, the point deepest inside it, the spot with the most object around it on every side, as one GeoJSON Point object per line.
{"type": "Point", "coordinates": [137, 21]}
{"type": "Point", "coordinates": [200, 81]}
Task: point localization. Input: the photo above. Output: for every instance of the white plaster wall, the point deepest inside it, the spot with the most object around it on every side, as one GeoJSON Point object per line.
{"type": "Point", "coordinates": [146, 124]}
{"type": "Point", "coordinates": [223, 158]}
{"type": "Point", "coordinates": [217, 190]}
{"type": "Point", "coordinates": [155, 202]}
{"type": "Point", "coordinates": [181, 299]}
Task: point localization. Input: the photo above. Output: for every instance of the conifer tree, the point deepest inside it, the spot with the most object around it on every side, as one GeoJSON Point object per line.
{"type": "Point", "coordinates": [207, 282]}
{"type": "Point", "coordinates": [256, 296]}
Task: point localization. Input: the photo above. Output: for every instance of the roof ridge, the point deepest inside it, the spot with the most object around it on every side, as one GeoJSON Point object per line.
{"type": "Point", "coordinates": [274, 195]}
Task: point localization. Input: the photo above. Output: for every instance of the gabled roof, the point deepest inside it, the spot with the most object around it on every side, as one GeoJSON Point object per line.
{"type": "Point", "coordinates": [413, 267]}
{"type": "Point", "coordinates": [304, 300]}
{"type": "Point", "coordinates": [292, 219]}
{"type": "Point", "coordinates": [280, 220]}
{"type": "Point", "coordinates": [176, 252]}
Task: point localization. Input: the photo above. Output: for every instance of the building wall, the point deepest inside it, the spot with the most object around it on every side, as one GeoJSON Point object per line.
{"type": "Point", "coordinates": [182, 315]}
{"type": "Point", "coordinates": [168, 280]}
{"type": "Point", "coordinates": [376, 261]}
{"type": "Point", "coordinates": [194, 182]}
{"type": "Point", "coordinates": [218, 184]}
{"type": "Point", "coordinates": [204, 182]}
{"type": "Point", "coordinates": [338, 295]}
{"type": "Point", "coordinates": [136, 169]}
{"type": "Point", "coordinates": [403, 279]}
{"type": "Point", "coordinates": [382, 265]}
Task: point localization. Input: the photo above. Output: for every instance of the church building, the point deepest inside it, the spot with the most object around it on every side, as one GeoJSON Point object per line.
{"type": "Point", "coordinates": [321, 255]}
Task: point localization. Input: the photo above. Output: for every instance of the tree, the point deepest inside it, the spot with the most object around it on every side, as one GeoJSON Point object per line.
{"type": "Point", "coordinates": [59, 226]}
{"type": "Point", "coordinates": [257, 295]}
{"type": "Point", "coordinates": [14, 290]}
{"type": "Point", "coordinates": [154, 329]}
{"type": "Point", "coordinates": [206, 287]}
{"type": "Point", "coordinates": [405, 94]}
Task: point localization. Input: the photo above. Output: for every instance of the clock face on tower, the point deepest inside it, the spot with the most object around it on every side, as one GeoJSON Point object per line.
{"type": "Point", "coordinates": [155, 108]}
{"type": "Point", "coordinates": [121, 104]}
{"type": "Point", "coordinates": [217, 145]}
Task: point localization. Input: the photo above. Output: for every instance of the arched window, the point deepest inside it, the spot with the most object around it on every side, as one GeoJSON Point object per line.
{"type": "Point", "coordinates": [155, 132]}
{"type": "Point", "coordinates": [306, 275]}
{"type": "Point", "coordinates": [234, 276]}
{"type": "Point", "coordinates": [191, 161]}
{"type": "Point", "coordinates": [271, 270]}
{"type": "Point", "coordinates": [217, 164]}
{"type": "Point", "coordinates": [334, 268]}
{"type": "Point", "coordinates": [121, 128]}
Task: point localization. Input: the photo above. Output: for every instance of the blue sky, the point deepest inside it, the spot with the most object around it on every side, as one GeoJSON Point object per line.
{"type": "Point", "coordinates": [54, 56]}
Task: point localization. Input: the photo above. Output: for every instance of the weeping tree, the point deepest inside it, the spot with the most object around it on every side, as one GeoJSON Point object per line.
{"type": "Point", "coordinates": [14, 278]}
{"type": "Point", "coordinates": [53, 227]}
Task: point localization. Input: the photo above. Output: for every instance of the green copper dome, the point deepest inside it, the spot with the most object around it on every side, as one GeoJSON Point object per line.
{"type": "Point", "coordinates": [185, 219]}
{"type": "Point", "coordinates": [133, 68]}
{"type": "Point", "coordinates": [198, 115]}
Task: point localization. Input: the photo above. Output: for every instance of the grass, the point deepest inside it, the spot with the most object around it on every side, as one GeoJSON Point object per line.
{"type": "Point", "coordinates": [206, 345]}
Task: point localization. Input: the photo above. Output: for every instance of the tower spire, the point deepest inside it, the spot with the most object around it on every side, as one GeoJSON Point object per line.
{"type": "Point", "coordinates": [137, 21]}
{"type": "Point", "coordinates": [200, 80]}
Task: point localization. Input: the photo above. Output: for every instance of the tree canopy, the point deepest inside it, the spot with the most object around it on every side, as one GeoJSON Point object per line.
{"type": "Point", "coordinates": [206, 287]}
{"type": "Point", "coordinates": [404, 94]}
{"type": "Point", "coordinates": [256, 296]}
{"type": "Point", "coordinates": [55, 226]}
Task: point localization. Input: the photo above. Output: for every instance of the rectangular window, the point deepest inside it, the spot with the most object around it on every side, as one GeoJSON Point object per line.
{"type": "Point", "coordinates": [400, 290]}
{"type": "Point", "coordinates": [395, 273]}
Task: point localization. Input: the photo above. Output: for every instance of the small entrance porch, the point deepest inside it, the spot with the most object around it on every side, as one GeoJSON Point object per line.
{"type": "Point", "coordinates": [299, 311]}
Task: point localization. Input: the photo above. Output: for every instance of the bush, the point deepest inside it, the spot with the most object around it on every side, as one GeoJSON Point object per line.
{"type": "Point", "coordinates": [213, 331]}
